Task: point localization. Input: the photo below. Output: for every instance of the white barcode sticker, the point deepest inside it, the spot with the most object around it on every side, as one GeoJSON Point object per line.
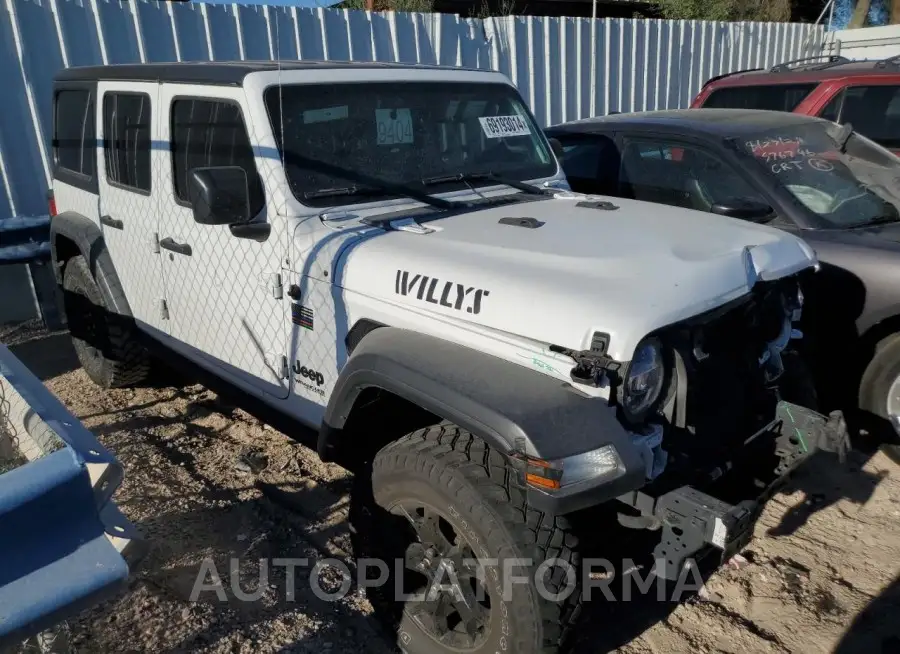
{"type": "Point", "coordinates": [496, 127]}
{"type": "Point", "coordinates": [325, 115]}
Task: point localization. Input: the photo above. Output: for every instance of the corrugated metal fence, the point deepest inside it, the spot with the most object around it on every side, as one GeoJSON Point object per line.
{"type": "Point", "coordinates": [642, 64]}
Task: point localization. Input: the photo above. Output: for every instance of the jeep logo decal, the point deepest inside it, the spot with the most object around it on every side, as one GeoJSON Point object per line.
{"type": "Point", "coordinates": [446, 294]}
{"type": "Point", "coordinates": [310, 374]}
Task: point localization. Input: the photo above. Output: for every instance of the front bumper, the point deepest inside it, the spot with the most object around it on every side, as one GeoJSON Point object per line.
{"type": "Point", "coordinates": [691, 521]}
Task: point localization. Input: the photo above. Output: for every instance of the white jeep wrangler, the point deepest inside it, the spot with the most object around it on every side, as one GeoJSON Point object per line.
{"type": "Point", "coordinates": [390, 254]}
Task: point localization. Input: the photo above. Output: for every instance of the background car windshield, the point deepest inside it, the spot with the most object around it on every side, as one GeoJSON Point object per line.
{"type": "Point", "coordinates": [403, 133]}
{"type": "Point", "coordinates": [849, 188]}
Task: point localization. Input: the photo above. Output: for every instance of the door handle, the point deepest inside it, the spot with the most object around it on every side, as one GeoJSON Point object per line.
{"type": "Point", "coordinates": [111, 222]}
{"type": "Point", "coordinates": [180, 248]}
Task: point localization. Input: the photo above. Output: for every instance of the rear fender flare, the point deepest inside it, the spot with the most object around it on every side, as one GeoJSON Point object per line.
{"type": "Point", "coordinates": [88, 238]}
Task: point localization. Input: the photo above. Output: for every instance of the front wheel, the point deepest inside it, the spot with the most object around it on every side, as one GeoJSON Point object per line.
{"type": "Point", "coordinates": [879, 391]}
{"type": "Point", "coordinates": [470, 566]}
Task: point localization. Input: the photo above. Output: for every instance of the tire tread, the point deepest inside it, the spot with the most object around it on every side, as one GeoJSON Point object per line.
{"type": "Point", "coordinates": [449, 449]}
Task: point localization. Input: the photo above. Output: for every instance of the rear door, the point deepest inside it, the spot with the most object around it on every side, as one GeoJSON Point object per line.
{"type": "Point", "coordinates": [129, 213]}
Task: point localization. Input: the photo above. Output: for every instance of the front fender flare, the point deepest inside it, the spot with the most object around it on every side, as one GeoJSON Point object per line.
{"type": "Point", "coordinates": [513, 408]}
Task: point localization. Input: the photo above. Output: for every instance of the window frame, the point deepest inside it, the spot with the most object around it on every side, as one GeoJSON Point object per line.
{"type": "Point", "coordinates": [841, 94]}
{"type": "Point", "coordinates": [109, 180]}
{"type": "Point", "coordinates": [78, 179]}
{"type": "Point", "coordinates": [171, 118]}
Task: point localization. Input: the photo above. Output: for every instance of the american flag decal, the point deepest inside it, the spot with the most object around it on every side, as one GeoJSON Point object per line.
{"type": "Point", "coordinates": [302, 316]}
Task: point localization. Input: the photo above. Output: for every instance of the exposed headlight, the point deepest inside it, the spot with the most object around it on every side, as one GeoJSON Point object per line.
{"type": "Point", "coordinates": [644, 380]}
{"type": "Point", "coordinates": [604, 462]}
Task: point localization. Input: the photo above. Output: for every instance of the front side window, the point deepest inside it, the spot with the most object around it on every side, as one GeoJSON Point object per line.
{"type": "Point", "coordinates": [874, 111]}
{"type": "Point", "coordinates": [74, 137]}
{"type": "Point", "coordinates": [844, 179]}
{"type": "Point", "coordinates": [681, 175]}
{"type": "Point", "coordinates": [773, 97]}
{"type": "Point", "coordinates": [210, 133]}
{"type": "Point", "coordinates": [126, 139]}
{"type": "Point", "coordinates": [336, 136]}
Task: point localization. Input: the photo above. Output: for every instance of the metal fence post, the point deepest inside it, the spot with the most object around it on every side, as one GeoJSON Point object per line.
{"type": "Point", "coordinates": [46, 294]}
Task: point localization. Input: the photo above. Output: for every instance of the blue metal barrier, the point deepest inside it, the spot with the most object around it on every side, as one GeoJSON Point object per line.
{"type": "Point", "coordinates": [64, 545]}
{"type": "Point", "coordinates": [24, 239]}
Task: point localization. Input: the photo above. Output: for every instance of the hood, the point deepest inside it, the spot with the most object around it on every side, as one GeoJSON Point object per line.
{"type": "Point", "coordinates": [556, 272]}
{"type": "Point", "coordinates": [882, 237]}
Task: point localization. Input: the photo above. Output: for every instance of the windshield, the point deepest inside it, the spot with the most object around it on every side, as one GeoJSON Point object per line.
{"type": "Point", "coordinates": [403, 133]}
{"type": "Point", "coordinates": [843, 178]}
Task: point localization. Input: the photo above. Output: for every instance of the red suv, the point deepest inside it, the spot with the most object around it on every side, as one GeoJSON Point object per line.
{"type": "Point", "coordinates": [863, 93]}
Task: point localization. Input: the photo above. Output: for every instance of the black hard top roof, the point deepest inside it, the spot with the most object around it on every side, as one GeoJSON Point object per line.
{"type": "Point", "coordinates": [717, 122]}
{"type": "Point", "coordinates": [229, 73]}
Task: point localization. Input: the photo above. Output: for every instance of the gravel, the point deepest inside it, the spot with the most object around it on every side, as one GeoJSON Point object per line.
{"type": "Point", "coordinates": [208, 483]}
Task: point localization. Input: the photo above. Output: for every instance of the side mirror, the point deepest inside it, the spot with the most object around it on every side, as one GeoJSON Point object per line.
{"type": "Point", "coordinates": [219, 195]}
{"type": "Point", "coordinates": [557, 147]}
{"type": "Point", "coordinates": [745, 209]}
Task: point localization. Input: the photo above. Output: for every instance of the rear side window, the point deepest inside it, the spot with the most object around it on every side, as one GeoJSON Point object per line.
{"type": "Point", "coordinates": [773, 97]}
{"type": "Point", "coordinates": [590, 162]}
{"type": "Point", "coordinates": [582, 158]}
{"type": "Point", "coordinates": [126, 139]}
{"type": "Point", "coordinates": [208, 133]}
{"type": "Point", "coordinates": [874, 111]}
{"type": "Point", "coordinates": [74, 132]}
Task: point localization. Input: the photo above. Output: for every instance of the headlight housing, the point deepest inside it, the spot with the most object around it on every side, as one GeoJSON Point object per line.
{"type": "Point", "coordinates": [644, 381]}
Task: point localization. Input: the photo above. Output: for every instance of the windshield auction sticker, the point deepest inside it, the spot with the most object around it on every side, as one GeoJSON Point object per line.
{"type": "Point", "coordinates": [496, 127]}
{"type": "Point", "coordinates": [395, 126]}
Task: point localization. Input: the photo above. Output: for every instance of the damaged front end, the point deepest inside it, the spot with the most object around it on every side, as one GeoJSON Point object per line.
{"type": "Point", "coordinates": [718, 408]}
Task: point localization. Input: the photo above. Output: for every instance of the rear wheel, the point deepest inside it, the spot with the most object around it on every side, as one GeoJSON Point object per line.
{"type": "Point", "coordinates": [471, 567]}
{"type": "Point", "coordinates": [105, 343]}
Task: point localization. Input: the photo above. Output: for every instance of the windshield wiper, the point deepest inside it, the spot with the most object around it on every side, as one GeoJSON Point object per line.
{"type": "Point", "coordinates": [880, 220]}
{"type": "Point", "coordinates": [368, 185]}
{"type": "Point", "coordinates": [344, 190]}
{"type": "Point", "coordinates": [474, 177]}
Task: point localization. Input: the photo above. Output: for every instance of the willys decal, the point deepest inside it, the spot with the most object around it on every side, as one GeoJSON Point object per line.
{"type": "Point", "coordinates": [446, 294]}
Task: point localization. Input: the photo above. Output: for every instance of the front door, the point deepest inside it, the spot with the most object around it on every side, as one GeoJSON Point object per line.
{"type": "Point", "coordinates": [127, 116]}
{"type": "Point", "coordinates": [223, 290]}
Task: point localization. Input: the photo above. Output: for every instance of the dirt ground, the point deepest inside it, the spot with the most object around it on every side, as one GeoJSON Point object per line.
{"type": "Point", "coordinates": [820, 576]}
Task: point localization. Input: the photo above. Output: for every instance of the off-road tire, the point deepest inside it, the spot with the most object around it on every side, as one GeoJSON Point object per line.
{"type": "Point", "coordinates": [474, 487]}
{"type": "Point", "coordinates": [875, 385]}
{"type": "Point", "coordinates": [106, 344]}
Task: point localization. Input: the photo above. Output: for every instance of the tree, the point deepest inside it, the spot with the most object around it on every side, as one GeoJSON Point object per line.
{"type": "Point", "coordinates": [424, 6]}
{"type": "Point", "coordinates": [727, 10]}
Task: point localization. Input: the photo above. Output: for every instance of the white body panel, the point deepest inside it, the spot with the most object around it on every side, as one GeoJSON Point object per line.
{"type": "Point", "coordinates": [625, 272]}
{"type": "Point", "coordinates": [76, 200]}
